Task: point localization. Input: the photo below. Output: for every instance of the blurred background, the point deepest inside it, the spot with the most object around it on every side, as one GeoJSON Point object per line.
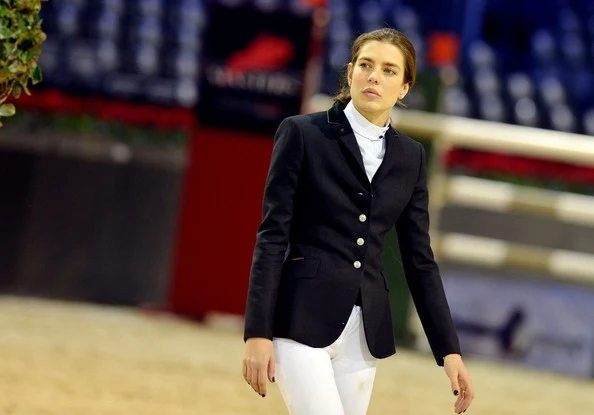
{"type": "Point", "coordinates": [131, 184]}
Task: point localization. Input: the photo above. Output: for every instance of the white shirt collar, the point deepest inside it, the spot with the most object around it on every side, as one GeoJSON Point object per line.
{"type": "Point", "coordinates": [362, 125]}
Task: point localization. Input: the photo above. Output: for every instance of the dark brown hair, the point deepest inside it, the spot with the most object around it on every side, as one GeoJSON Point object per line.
{"type": "Point", "coordinates": [387, 35]}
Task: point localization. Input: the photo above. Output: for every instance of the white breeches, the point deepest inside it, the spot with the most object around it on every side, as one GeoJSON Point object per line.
{"type": "Point", "coordinates": [334, 380]}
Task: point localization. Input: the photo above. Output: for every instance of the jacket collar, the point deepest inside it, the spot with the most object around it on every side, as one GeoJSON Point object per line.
{"type": "Point", "coordinates": [337, 118]}
{"type": "Point", "coordinates": [342, 129]}
{"type": "Point", "coordinates": [336, 113]}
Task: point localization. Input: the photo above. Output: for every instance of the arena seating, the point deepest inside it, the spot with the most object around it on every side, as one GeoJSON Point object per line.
{"type": "Point", "coordinates": [530, 64]}
{"type": "Point", "coordinates": [539, 73]}
{"type": "Point", "coordinates": [134, 50]}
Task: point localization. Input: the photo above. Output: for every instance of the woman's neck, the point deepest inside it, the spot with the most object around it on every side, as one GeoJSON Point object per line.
{"type": "Point", "coordinates": [379, 118]}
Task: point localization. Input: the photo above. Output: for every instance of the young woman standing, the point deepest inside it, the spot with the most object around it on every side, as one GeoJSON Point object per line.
{"type": "Point", "coordinates": [318, 314]}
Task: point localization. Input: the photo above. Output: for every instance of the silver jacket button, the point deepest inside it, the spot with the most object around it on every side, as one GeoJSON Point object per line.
{"type": "Point", "coordinates": [362, 218]}
{"type": "Point", "coordinates": [357, 264]}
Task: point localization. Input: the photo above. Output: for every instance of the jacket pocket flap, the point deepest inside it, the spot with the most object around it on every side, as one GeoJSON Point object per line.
{"type": "Point", "coordinates": [302, 267]}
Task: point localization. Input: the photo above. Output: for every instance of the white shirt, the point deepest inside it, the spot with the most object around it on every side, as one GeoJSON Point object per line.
{"type": "Point", "coordinates": [370, 138]}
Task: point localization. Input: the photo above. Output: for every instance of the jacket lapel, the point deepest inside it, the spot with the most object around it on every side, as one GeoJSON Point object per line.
{"type": "Point", "coordinates": [346, 137]}
{"type": "Point", "coordinates": [349, 142]}
{"type": "Point", "coordinates": [393, 156]}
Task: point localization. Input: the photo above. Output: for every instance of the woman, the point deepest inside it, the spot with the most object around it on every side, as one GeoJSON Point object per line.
{"type": "Point", "coordinates": [318, 315]}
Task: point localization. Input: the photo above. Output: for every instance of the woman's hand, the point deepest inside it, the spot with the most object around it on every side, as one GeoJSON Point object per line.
{"type": "Point", "coordinates": [460, 381]}
{"type": "Point", "coordinates": [258, 363]}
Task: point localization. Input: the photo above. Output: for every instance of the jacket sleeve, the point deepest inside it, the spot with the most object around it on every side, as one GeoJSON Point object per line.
{"type": "Point", "coordinates": [273, 233]}
{"type": "Point", "coordinates": [422, 272]}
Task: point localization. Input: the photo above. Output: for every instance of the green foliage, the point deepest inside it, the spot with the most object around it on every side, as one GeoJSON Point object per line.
{"type": "Point", "coordinates": [20, 46]}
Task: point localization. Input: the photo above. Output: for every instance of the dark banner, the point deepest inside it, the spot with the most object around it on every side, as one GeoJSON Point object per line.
{"type": "Point", "coordinates": [253, 67]}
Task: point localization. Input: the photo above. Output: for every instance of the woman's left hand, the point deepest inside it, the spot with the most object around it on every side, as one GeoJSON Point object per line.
{"type": "Point", "coordinates": [460, 381]}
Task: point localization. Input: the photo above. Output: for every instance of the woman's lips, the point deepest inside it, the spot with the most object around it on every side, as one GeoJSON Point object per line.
{"type": "Point", "coordinates": [372, 93]}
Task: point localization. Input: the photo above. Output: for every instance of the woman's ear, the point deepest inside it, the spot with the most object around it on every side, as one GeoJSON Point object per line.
{"type": "Point", "coordinates": [350, 73]}
{"type": "Point", "coordinates": [404, 90]}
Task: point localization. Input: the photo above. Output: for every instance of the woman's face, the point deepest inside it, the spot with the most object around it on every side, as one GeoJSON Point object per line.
{"type": "Point", "coordinates": [376, 80]}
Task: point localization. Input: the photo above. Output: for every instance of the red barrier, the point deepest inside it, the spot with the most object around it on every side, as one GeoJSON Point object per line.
{"type": "Point", "coordinates": [219, 215]}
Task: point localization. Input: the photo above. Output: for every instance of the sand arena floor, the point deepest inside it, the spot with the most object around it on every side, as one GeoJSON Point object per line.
{"type": "Point", "coordinates": [66, 359]}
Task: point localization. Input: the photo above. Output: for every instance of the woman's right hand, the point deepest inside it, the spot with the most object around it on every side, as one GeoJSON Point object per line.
{"type": "Point", "coordinates": [258, 363]}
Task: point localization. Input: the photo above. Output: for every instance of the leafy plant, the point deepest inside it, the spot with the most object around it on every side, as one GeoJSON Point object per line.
{"type": "Point", "coordinates": [20, 47]}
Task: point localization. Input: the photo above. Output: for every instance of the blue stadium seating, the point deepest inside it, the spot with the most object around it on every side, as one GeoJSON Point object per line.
{"type": "Point", "coordinates": [129, 49]}
{"type": "Point", "coordinates": [530, 62]}
{"type": "Point", "coordinates": [543, 50]}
